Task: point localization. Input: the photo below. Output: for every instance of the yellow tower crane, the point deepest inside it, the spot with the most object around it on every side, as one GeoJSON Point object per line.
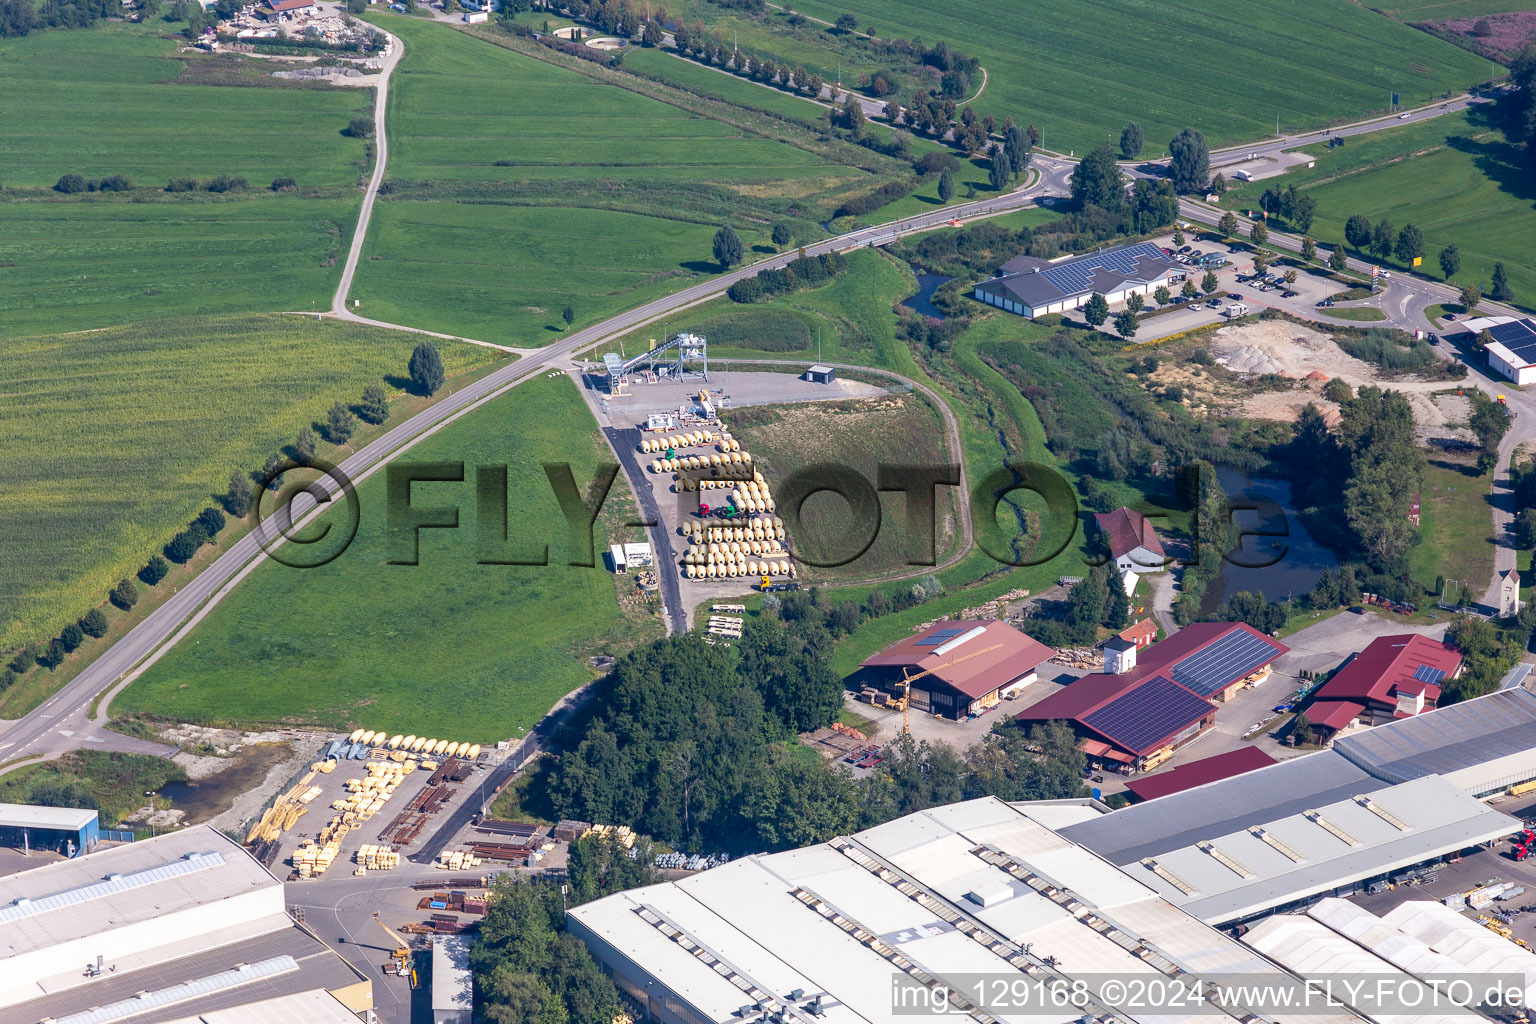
{"type": "Point", "coordinates": [907, 681]}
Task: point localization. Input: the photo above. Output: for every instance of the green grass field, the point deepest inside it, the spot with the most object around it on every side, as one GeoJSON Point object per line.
{"type": "Point", "coordinates": [448, 646]}
{"type": "Point", "coordinates": [96, 263]}
{"type": "Point", "coordinates": [1446, 10]}
{"type": "Point", "coordinates": [707, 82]}
{"type": "Point", "coordinates": [117, 100]}
{"type": "Point", "coordinates": [112, 440]}
{"type": "Point", "coordinates": [556, 188]}
{"type": "Point", "coordinates": [1227, 70]}
{"type": "Point", "coordinates": [107, 102]}
{"type": "Point", "coordinates": [1459, 181]}
{"type": "Point", "coordinates": [1454, 529]}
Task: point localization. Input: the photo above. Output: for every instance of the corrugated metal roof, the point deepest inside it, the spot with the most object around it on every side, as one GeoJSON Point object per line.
{"type": "Point", "coordinates": [24, 906]}
{"type": "Point", "coordinates": [147, 1001]}
{"type": "Point", "coordinates": [1350, 839]}
{"type": "Point", "coordinates": [1182, 819]}
{"type": "Point", "coordinates": [1447, 739]}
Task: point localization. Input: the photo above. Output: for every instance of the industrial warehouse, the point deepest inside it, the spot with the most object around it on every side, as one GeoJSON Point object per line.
{"type": "Point", "coordinates": [1071, 890]}
{"type": "Point", "coordinates": [1033, 287]}
{"type": "Point", "coordinates": [1138, 715]}
{"type": "Point", "coordinates": [975, 888]}
{"type": "Point", "coordinates": [955, 668]}
{"type": "Point", "coordinates": [185, 925]}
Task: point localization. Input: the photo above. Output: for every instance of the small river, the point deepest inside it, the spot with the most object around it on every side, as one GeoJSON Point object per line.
{"type": "Point", "coordinates": [922, 302]}
{"type": "Point", "coordinates": [1298, 560]}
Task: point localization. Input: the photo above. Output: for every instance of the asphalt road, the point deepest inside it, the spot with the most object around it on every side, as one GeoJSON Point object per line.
{"type": "Point", "coordinates": [40, 732]}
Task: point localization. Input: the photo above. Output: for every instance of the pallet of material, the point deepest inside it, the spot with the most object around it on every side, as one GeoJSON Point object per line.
{"type": "Point", "coordinates": [519, 829]}
{"type": "Point", "coordinates": [569, 829]}
{"type": "Point", "coordinates": [500, 851]}
{"type": "Point", "coordinates": [469, 882]}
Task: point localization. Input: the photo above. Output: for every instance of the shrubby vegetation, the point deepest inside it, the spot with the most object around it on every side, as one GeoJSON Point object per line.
{"type": "Point", "coordinates": [804, 272]}
{"type": "Point", "coordinates": [1388, 348]}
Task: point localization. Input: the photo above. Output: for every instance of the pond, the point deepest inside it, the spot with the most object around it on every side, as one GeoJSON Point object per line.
{"type": "Point", "coordinates": [1297, 559]}
{"type": "Point", "coordinates": [204, 798]}
{"type": "Point", "coordinates": [922, 302]}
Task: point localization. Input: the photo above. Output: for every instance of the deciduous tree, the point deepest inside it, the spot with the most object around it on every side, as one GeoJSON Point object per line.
{"type": "Point", "coordinates": [425, 368]}
{"type": "Point", "coordinates": [727, 247]}
{"type": "Point", "coordinates": [1096, 309]}
{"type": "Point", "coordinates": [1131, 141]}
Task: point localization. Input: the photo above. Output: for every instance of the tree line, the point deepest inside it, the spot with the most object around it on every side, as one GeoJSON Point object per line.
{"type": "Point", "coordinates": [425, 369]}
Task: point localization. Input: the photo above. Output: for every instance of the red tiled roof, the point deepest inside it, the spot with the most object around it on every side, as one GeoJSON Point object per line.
{"type": "Point", "coordinates": [1143, 632]}
{"type": "Point", "coordinates": [283, 6]}
{"type": "Point", "coordinates": [1333, 714]}
{"type": "Point", "coordinates": [976, 676]}
{"type": "Point", "coordinates": [1198, 773]}
{"type": "Point", "coordinates": [1387, 663]}
{"type": "Point", "coordinates": [1128, 530]}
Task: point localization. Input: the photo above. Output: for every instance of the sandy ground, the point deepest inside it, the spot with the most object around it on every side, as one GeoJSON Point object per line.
{"type": "Point", "coordinates": [1293, 351]}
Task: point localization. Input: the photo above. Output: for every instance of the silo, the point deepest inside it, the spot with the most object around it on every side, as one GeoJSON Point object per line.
{"type": "Point", "coordinates": [453, 749]}
{"type": "Point", "coordinates": [357, 734]}
{"type": "Point", "coordinates": [474, 751]}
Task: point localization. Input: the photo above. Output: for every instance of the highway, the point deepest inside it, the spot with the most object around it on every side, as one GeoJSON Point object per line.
{"type": "Point", "coordinates": [52, 727]}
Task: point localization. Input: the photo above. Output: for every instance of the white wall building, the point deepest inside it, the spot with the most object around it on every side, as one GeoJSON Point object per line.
{"type": "Point", "coordinates": [1032, 287]}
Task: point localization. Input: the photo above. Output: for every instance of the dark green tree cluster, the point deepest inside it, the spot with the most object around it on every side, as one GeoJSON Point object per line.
{"type": "Point", "coordinates": [690, 741]}
{"type": "Point", "coordinates": [728, 249]}
{"type": "Point", "coordinates": [1357, 483]}
{"type": "Point", "coordinates": [425, 369]}
{"type": "Point", "coordinates": [801, 273]}
{"type": "Point", "coordinates": [528, 969]}
{"type": "Point", "coordinates": [17, 17]}
{"type": "Point", "coordinates": [1489, 423]}
{"type": "Point", "coordinates": [1213, 534]}
{"type": "Point", "coordinates": [1296, 208]}
{"type": "Point", "coordinates": [184, 546]}
{"type": "Point", "coordinates": [1098, 599]}
{"type": "Point", "coordinates": [1517, 107]}
{"type": "Point", "coordinates": [1488, 651]}
{"type": "Point", "coordinates": [1263, 615]}
{"type": "Point", "coordinates": [1189, 165]}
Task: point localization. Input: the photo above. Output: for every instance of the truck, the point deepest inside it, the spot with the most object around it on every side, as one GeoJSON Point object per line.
{"type": "Point", "coordinates": [1235, 310]}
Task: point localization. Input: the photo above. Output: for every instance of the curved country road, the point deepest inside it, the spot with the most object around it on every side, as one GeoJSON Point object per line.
{"type": "Point", "coordinates": [48, 729]}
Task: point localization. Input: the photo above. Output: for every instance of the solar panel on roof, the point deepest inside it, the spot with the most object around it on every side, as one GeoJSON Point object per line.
{"type": "Point", "coordinates": [1428, 674]}
{"type": "Point", "coordinates": [1157, 708]}
{"type": "Point", "coordinates": [1223, 663]}
{"type": "Point", "coordinates": [938, 638]}
{"type": "Point", "coordinates": [1519, 336]}
{"type": "Point", "coordinates": [1076, 275]}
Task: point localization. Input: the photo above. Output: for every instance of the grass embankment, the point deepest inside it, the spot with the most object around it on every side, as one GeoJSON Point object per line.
{"type": "Point", "coordinates": [861, 435]}
{"type": "Point", "coordinates": [1459, 181]}
{"type": "Point", "coordinates": [1311, 62]}
{"type": "Point", "coordinates": [1363, 313]}
{"type": "Point", "coordinates": [114, 439]}
{"type": "Point", "coordinates": [1454, 527]}
{"type": "Point", "coordinates": [120, 100]}
{"type": "Point", "coordinates": [112, 783]}
{"type": "Point", "coordinates": [445, 646]}
{"type": "Point", "coordinates": [574, 186]}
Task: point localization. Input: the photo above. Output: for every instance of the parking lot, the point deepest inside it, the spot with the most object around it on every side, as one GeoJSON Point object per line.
{"type": "Point", "coordinates": [1483, 867]}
